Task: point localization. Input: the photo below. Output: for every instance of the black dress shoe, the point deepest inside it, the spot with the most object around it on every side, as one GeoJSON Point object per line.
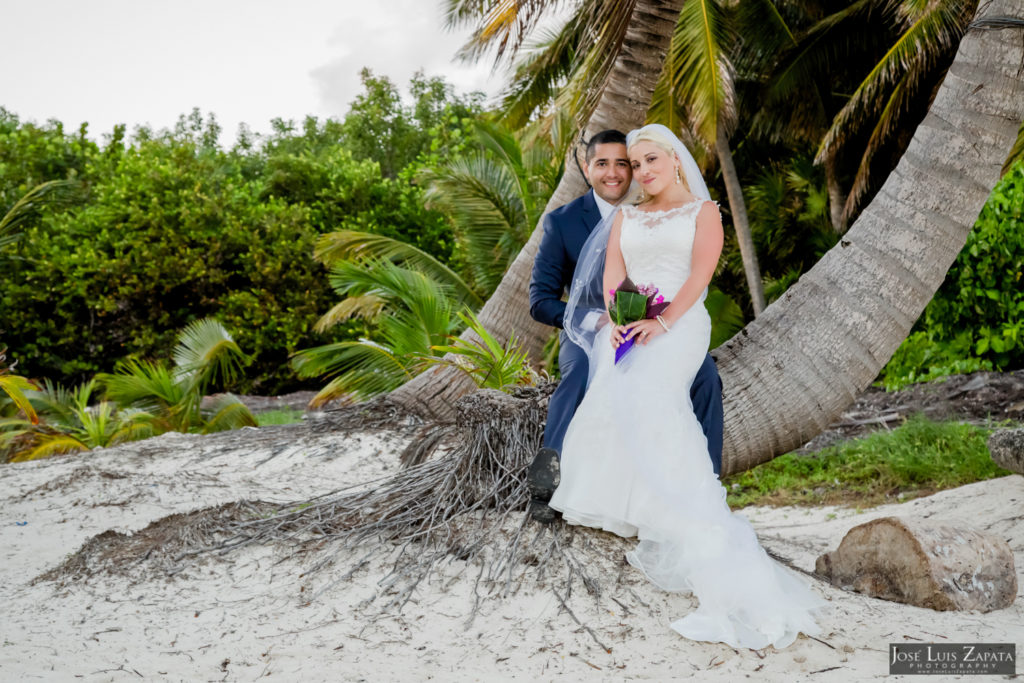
{"type": "Point", "coordinates": [543, 476]}
{"type": "Point", "coordinates": [542, 512]}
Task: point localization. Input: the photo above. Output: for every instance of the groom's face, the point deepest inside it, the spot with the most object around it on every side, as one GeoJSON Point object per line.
{"type": "Point", "coordinates": [609, 171]}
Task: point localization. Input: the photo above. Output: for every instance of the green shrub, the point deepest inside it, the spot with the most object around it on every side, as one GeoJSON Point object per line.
{"type": "Point", "coordinates": [920, 358]}
{"type": "Point", "coordinates": [174, 229]}
{"type": "Point", "coordinates": [976, 319]}
{"type": "Point", "coordinates": [982, 292]}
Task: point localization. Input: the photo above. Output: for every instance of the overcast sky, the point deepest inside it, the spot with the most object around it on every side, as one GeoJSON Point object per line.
{"type": "Point", "coordinates": [144, 62]}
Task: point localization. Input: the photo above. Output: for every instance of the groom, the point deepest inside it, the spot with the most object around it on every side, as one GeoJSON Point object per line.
{"type": "Point", "coordinates": [608, 172]}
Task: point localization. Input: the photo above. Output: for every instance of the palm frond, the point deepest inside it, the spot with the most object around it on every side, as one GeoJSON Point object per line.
{"type": "Point", "coordinates": [366, 306]}
{"type": "Point", "coordinates": [794, 107]}
{"type": "Point", "coordinates": [51, 444]}
{"type": "Point", "coordinates": [486, 199]}
{"type": "Point", "coordinates": [929, 37]}
{"type": "Point", "coordinates": [29, 205]}
{"type": "Point", "coordinates": [540, 72]}
{"type": "Point", "coordinates": [15, 386]}
{"type": "Point", "coordinates": [362, 246]}
{"type": "Point", "coordinates": [895, 104]}
{"type": "Point", "coordinates": [96, 424]}
{"type": "Point", "coordinates": [134, 425]}
{"type": "Point", "coordinates": [700, 70]}
{"type": "Point", "coordinates": [604, 32]}
{"type": "Point", "coordinates": [206, 353]}
{"type": "Point", "coordinates": [489, 363]}
{"type": "Point", "coordinates": [361, 369]}
{"type": "Point", "coordinates": [502, 25]}
{"type": "Point", "coordinates": [143, 384]}
{"type": "Point", "coordinates": [228, 412]}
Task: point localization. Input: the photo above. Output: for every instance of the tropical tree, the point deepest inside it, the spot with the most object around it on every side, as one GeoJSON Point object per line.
{"type": "Point", "coordinates": [205, 356]}
{"type": "Point", "coordinates": [636, 40]}
{"type": "Point", "coordinates": [927, 35]}
{"type": "Point", "coordinates": [697, 92]}
{"type": "Point", "coordinates": [791, 371]}
{"type": "Point", "coordinates": [795, 368]}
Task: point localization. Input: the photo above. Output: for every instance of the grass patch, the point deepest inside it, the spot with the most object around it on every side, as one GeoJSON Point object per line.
{"type": "Point", "coordinates": [915, 459]}
{"type": "Point", "coordinates": [283, 416]}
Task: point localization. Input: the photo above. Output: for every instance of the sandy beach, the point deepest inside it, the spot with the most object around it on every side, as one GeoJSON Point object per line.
{"type": "Point", "coordinates": [256, 614]}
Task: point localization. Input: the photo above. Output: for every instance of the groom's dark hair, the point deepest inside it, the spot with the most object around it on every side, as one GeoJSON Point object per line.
{"type": "Point", "coordinates": [603, 138]}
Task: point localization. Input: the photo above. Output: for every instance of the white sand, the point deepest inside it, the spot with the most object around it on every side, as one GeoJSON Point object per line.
{"type": "Point", "coordinates": [248, 616]}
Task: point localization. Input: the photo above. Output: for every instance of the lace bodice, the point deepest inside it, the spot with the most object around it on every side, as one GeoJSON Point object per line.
{"type": "Point", "coordinates": [657, 246]}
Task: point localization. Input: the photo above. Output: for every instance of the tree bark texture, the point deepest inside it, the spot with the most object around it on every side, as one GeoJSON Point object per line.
{"type": "Point", "coordinates": [740, 222]}
{"type": "Point", "coordinates": [623, 106]}
{"type": "Point", "coordinates": [792, 371]}
{"type": "Point", "coordinates": [924, 563]}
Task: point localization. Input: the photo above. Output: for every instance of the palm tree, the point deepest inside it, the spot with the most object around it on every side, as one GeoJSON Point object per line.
{"type": "Point", "coordinates": [795, 368]}
{"type": "Point", "coordinates": [697, 92]}
{"type": "Point", "coordinates": [639, 35]}
{"type": "Point", "coordinates": [791, 371]}
{"type": "Point", "coordinates": [205, 355]}
{"type": "Point", "coordinates": [928, 35]}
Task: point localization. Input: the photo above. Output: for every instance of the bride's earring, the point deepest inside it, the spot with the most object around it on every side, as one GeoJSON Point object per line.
{"type": "Point", "coordinates": [642, 196]}
{"type": "Point", "coordinates": [679, 178]}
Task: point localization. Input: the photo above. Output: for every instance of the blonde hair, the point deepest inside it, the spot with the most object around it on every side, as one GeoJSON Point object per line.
{"type": "Point", "coordinates": [664, 145]}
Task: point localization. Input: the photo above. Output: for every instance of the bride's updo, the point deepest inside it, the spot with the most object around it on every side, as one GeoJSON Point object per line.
{"type": "Point", "coordinates": [646, 134]}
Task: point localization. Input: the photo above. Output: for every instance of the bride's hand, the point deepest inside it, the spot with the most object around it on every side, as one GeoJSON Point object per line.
{"type": "Point", "coordinates": [618, 335]}
{"type": "Point", "coordinates": [642, 331]}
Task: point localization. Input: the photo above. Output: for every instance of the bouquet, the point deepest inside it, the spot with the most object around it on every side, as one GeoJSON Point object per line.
{"type": "Point", "coordinates": [632, 302]}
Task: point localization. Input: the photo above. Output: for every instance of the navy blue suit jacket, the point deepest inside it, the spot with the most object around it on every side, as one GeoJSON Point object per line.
{"type": "Point", "coordinates": [565, 230]}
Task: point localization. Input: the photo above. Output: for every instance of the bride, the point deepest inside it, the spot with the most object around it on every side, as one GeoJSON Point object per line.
{"type": "Point", "coordinates": [634, 460]}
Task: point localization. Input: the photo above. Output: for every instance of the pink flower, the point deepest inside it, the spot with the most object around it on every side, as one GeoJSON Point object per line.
{"type": "Point", "coordinates": [659, 299]}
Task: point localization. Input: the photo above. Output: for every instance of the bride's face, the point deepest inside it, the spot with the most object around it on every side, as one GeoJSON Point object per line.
{"type": "Point", "coordinates": [653, 168]}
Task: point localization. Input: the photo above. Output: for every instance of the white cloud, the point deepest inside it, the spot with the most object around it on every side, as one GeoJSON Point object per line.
{"type": "Point", "coordinates": [125, 61]}
{"type": "Point", "coordinates": [407, 38]}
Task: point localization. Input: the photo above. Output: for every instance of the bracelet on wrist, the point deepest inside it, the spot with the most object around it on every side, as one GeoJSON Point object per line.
{"type": "Point", "coordinates": [662, 321]}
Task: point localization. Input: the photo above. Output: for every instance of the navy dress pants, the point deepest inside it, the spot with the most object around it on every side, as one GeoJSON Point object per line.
{"type": "Point", "coordinates": [706, 394]}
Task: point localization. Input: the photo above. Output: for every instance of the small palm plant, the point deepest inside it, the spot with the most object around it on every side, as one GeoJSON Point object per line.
{"type": "Point", "coordinates": [69, 424]}
{"type": "Point", "coordinates": [410, 311]}
{"type": "Point", "coordinates": [204, 356]}
{"type": "Point", "coordinates": [492, 365]}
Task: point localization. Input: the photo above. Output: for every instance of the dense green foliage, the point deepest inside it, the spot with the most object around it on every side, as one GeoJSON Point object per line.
{"type": "Point", "coordinates": [976, 319]}
{"type": "Point", "coordinates": [915, 459]}
{"type": "Point", "coordinates": [170, 228]}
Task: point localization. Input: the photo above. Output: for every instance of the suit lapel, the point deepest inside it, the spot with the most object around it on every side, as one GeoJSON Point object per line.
{"type": "Point", "coordinates": [591, 214]}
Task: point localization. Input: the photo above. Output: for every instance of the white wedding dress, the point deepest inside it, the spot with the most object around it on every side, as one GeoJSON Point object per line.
{"type": "Point", "coordinates": [635, 462]}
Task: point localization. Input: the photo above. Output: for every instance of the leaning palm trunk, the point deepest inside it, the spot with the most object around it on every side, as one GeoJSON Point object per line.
{"type": "Point", "coordinates": [792, 371]}
{"type": "Point", "coordinates": [740, 222]}
{"type": "Point", "coordinates": [623, 105]}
